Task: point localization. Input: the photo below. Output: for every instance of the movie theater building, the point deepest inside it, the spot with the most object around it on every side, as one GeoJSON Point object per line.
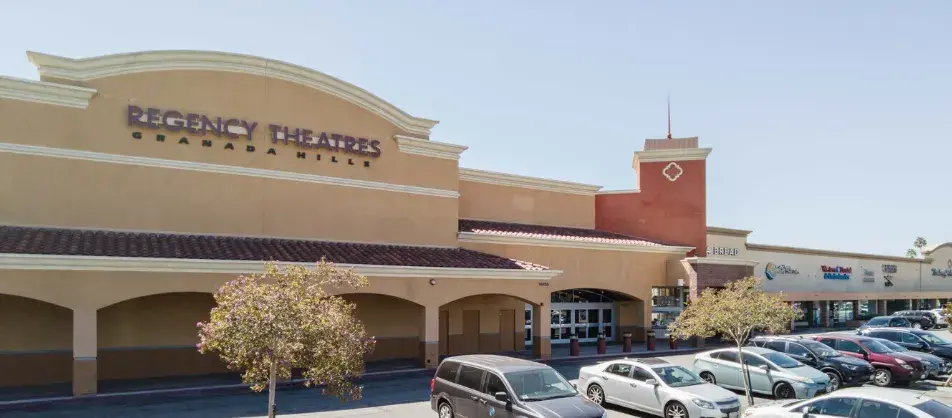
{"type": "Point", "coordinates": [136, 184]}
{"type": "Point", "coordinates": [836, 288]}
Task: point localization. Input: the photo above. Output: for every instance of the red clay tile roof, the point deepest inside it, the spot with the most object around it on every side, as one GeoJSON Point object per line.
{"type": "Point", "coordinates": [75, 242]}
{"type": "Point", "coordinates": [550, 232]}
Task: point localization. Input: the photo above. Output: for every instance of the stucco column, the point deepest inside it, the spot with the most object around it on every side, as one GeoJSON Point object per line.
{"type": "Point", "coordinates": [884, 307]}
{"type": "Point", "coordinates": [430, 337]}
{"type": "Point", "coordinates": [793, 322]}
{"type": "Point", "coordinates": [914, 304]}
{"type": "Point", "coordinates": [84, 352]}
{"type": "Point", "coordinates": [825, 313]}
{"type": "Point", "coordinates": [541, 331]}
{"type": "Point", "coordinates": [873, 307]}
{"type": "Point", "coordinates": [855, 310]}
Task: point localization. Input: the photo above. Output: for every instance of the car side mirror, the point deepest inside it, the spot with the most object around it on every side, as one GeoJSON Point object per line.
{"type": "Point", "coordinates": [764, 367]}
{"type": "Point", "coordinates": [502, 397]}
{"type": "Point", "coordinates": [651, 382]}
{"type": "Point", "coordinates": [863, 353]}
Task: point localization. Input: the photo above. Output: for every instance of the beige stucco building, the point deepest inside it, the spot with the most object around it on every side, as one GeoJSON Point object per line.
{"type": "Point", "coordinates": [134, 185]}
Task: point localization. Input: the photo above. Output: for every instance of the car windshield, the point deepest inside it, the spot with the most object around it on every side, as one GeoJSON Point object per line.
{"type": "Point", "coordinates": [935, 408]}
{"type": "Point", "coordinates": [877, 321]}
{"type": "Point", "coordinates": [877, 347]}
{"type": "Point", "coordinates": [821, 349]}
{"type": "Point", "coordinates": [677, 376]}
{"type": "Point", "coordinates": [893, 346]}
{"type": "Point", "coordinates": [934, 339]}
{"type": "Point", "coordinates": [781, 360]}
{"type": "Point", "coordinates": [539, 385]}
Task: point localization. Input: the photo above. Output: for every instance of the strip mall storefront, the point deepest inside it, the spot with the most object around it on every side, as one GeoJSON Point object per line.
{"type": "Point", "coordinates": [137, 184]}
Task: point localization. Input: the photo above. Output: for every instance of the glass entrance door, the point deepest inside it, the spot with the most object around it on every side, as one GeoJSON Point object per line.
{"type": "Point", "coordinates": [583, 319]}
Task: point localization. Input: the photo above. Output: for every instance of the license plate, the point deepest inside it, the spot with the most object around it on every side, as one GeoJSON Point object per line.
{"type": "Point", "coordinates": [731, 415]}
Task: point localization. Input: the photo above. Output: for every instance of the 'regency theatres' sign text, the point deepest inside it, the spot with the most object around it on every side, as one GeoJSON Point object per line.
{"type": "Point", "coordinates": [234, 128]}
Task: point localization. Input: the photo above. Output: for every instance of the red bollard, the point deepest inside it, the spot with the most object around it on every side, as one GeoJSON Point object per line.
{"type": "Point", "coordinates": [672, 342]}
{"type": "Point", "coordinates": [650, 340]}
{"type": "Point", "coordinates": [601, 343]}
{"type": "Point", "coordinates": [573, 346]}
{"type": "Point", "coordinates": [626, 342]}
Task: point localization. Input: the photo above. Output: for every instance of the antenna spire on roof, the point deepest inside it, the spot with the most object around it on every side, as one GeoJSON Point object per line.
{"type": "Point", "coordinates": [669, 114]}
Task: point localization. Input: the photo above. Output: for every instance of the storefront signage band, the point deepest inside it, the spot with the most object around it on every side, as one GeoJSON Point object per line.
{"type": "Point", "coordinates": [943, 272]}
{"type": "Point", "coordinates": [836, 272]}
{"type": "Point", "coordinates": [890, 268]}
{"type": "Point", "coordinates": [233, 128]}
{"type": "Point", "coordinates": [721, 251]}
{"type": "Point", "coordinates": [772, 270]}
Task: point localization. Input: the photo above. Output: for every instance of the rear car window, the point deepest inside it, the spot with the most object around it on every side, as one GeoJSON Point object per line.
{"type": "Point", "coordinates": [448, 371]}
{"type": "Point", "coordinates": [935, 408]}
{"type": "Point", "coordinates": [727, 356]}
{"type": "Point", "coordinates": [776, 345]}
{"type": "Point", "coordinates": [470, 377]}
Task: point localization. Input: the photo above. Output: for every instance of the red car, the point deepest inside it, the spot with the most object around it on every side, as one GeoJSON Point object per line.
{"type": "Point", "coordinates": [891, 366]}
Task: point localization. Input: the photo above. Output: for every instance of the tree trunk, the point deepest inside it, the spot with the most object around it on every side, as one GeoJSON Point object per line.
{"type": "Point", "coordinates": [272, 383]}
{"type": "Point", "coordinates": [743, 371]}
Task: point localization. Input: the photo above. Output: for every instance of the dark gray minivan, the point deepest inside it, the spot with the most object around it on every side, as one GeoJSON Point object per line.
{"type": "Point", "coordinates": [487, 386]}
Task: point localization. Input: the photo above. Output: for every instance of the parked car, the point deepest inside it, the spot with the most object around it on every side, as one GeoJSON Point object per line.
{"type": "Point", "coordinates": [477, 386]}
{"type": "Point", "coordinates": [914, 339]}
{"type": "Point", "coordinates": [891, 367]}
{"type": "Point", "coordinates": [941, 318]}
{"type": "Point", "coordinates": [887, 321]}
{"type": "Point", "coordinates": [919, 319]}
{"type": "Point", "coordinates": [935, 366]}
{"type": "Point", "coordinates": [770, 372]}
{"type": "Point", "coordinates": [841, 369]}
{"type": "Point", "coordinates": [657, 387]}
{"type": "Point", "coordinates": [864, 402]}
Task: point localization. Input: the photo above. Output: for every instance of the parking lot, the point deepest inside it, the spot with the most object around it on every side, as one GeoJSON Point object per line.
{"type": "Point", "coordinates": [402, 396]}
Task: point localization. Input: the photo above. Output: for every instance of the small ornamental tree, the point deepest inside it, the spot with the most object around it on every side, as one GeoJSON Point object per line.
{"type": "Point", "coordinates": [947, 310]}
{"type": "Point", "coordinates": [734, 313]}
{"type": "Point", "coordinates": [267, 324]}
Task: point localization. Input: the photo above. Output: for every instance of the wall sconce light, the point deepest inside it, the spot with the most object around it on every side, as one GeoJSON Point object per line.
{"type": "Point", "coordinates": [432, 282]}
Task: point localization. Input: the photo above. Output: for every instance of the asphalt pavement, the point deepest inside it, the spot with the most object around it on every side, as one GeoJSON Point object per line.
{"type": "Point", "coordinates": [405, 395]}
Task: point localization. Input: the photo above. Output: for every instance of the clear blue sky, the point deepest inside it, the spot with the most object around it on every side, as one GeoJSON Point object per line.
{"type": "Point", "coordinates": [831, 122]}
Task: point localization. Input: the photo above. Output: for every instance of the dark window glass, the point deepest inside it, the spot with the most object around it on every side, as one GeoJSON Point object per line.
{"type": "Point", "coordinates": [776, 345]}
{"type": "Point", "coordinates": [447, 371]}
{"type": "Point", "coordinates": [528, 334]}
{"type": "Point", "coordinates": [909, 338]}
{"type": "Point", "coordinates": [878, 321]}
{"type": "Point", "coordinates": [620, 369]}
{"type": "Point", "coordinates": [566, 333]}
{"type": "Point", "coordinates": [728, 356]}
{"type": "Point", "coordinates": [581, 316]}
{"type": "Point", "coordinates": [849, 346]}
{"type": "Point", "coordinates": [876, 409]}
{"type": "Point", "coordinates": [470, 377]}
{"type": "Point", "coordinates": [836, 407]}
{"type": "Point", "coordinates": [641, 374]}
{"type": "Point", "coordinates": [753, 361]}
{"type": "Point", "coordinates": [829, 342]}
{"type": "Point", "coordinates": [797, 350]}
{"type": "Point", "coordinates": [935, 408]}
{"type": "Point", "coordinates": [528, 317]}
{"type": "Point", "coordinates": [606, 315]}
{"type": "Point", "coordinates": [494, 384]}
{"type": "Point", "coordinates": [593, 316]}
{"type": "Point", "coordinates": [608, 331]}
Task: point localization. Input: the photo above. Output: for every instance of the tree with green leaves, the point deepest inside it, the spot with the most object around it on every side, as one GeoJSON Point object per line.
{"type": "Point", "coordinates": [266, 324]}
{"type": "Point", "coordinates": [734, 313]}
{"type": "Point", "coordinates": [947, 310]}
{"type": "Point", "coordinates": [917, 246]}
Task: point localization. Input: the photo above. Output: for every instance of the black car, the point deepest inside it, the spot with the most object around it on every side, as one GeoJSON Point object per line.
{"type": "Point", "coordinates": [842, 370]}
{"type": "Point", "coordinates": [887, 321]}
{"type": "Point", "coordinates": [914, 339]}
{"type": "Point", "coordinates": [477, 386]}
{"type": "Point", "coordinates": [918, 319]}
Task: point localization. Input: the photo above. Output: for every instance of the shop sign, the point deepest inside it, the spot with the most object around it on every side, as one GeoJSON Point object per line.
{"type": "Point", "coordinates": [943, 272]}
{"type": "Point", "coordinates": [306, 140]}
{"type": "Point", "coordinates": [869, 275]}
{"type": "Point", "coordinates": [890, 268]}
{"type": "Point", "coordinates": [836, 272]}
{"type": "Point", "coordinates": [722, 251]}
{"type": "Point", "coordinates": [773, 270]}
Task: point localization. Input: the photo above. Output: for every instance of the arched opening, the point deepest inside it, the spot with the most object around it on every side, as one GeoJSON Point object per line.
{"type": "Point", "coordinates": [587, 312]}
{"type": "Point", "coordinates": [396, 325]}
{"type": "Point", "coordinates": [154, 336]}
{"type": "Point", "coordinates": [36, 343]}
{"type": "Point", "coordinates": [487, 323]}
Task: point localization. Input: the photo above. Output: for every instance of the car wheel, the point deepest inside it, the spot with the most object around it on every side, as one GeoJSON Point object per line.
{"type": "Point", "coordinates": [784, 391]}
{"type": "Point", "coordinates": [882, 378]}
{"type": "Point", "coordinates": [675, 410]}
{"type": "Point", "coordinates": [835, 380]}
{"type": "Point", "coordinates": [916, 325]}
{"type": "Point", "coordinates": [596, 394]}
{"type": "Point", "coordinates": [709, 378]}
{"type": "Point", "coordinates": [445, 410]}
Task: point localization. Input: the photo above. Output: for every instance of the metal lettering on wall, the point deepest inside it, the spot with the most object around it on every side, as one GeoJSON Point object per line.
{"type": "Point", "coordinates": [722, 251]}
{"type": "Point", "coordinates": [890, 269]}
{"type": "Point", "coordinates": [233, 129]}
{"type": "Point", "coordinates": [836, 272]}
{"type": "Point", "coordinates": [772, 270]}
{"type": "Point", "coordinates": [943, 272]}
{"type": "Point", "coordinates": [869, 275]}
